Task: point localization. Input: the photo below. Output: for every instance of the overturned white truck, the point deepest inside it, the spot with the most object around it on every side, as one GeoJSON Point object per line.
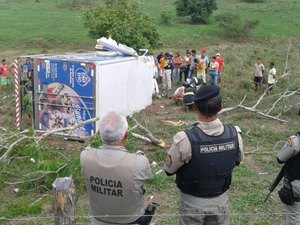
{"type": "Point", "coordinates": [69, 89]}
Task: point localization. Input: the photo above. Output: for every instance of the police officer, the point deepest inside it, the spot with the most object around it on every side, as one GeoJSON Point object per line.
{"type": "Point", "coordinates": [290, 193]}
{"type": "Point", "coordinates": [189, 94]}
{"type": "Point", "coordinates": [203, 159]}
{"type": "Point", "coordinates": [114, 178]}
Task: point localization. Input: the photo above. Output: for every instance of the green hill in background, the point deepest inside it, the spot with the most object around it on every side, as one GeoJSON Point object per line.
{"type": "Point", "coordinates": [50, 24]}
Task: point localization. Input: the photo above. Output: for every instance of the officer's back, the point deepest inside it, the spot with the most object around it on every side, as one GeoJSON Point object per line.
{"type": "Point", "coordinates": [114, 178]}
{"type": "Point", "coordinates": [203, 159]}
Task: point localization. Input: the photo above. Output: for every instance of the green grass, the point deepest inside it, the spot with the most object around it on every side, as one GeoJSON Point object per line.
{"type": "Point", "coordinates": [43, 25]}
{"type": "Point", "coordinates": [52, 26]}
{"type": "Point", "coordinates": [34, 27]}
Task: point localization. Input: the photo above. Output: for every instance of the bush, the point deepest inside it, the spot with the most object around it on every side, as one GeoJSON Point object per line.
{"type": "Point", "coordinates": [124, 23]}
{"type": "Point", "coordinates": [199, 10]}
{"type": "Point", "coordinates": [234, 26]}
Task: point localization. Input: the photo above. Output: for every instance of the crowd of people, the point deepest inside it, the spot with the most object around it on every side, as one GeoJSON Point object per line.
{"type": "Point", "coordinates": [174, 69]}
{"type": "Point", "coordinates": [190, 71]}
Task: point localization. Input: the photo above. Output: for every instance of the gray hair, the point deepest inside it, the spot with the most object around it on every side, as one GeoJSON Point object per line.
{"type": "Point", "coordinates": [113, 127]}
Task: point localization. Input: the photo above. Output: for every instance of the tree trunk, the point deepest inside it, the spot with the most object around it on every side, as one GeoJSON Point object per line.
{"type": "Point", "coordinates": [64, 201]}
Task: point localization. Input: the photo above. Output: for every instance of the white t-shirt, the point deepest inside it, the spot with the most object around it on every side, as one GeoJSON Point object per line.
{"type": "Point", "coordinates": [259, 68]}
{"type": "Point", "coordinates": [271, 76]}
{"type": "Point", "coordinates": [214, 65]}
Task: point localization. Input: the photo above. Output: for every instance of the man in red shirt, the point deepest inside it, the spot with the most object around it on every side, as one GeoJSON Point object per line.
{"type": "Point", "coordinates": [4, 73]}
{"type": "Point", "coordinates": [221, 66]}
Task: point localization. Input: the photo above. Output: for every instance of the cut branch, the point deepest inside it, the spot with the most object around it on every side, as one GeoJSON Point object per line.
{"type": "Point", "coordinates": [141, 137]}
{"type": "Point", "coordinates": [263, 114]}
{"type": "Point", "coordinates": [285, 95]}
{"type": "Point", "coordinates": [173, 123]}
{"type": "Point", "coordinates": [148, 135]}
{"type": "Point", "coordinates": [232, 108]}
{"type": "Point", "coordinates": [44, 174]}
{"type": "Point", "coordinates": [5, 157]}
{"type": "Point", "coordinates": [50, 132]}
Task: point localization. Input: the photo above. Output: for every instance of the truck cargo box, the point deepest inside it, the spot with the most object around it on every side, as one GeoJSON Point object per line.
{"type": "Point", "coordinates": [71, 88]}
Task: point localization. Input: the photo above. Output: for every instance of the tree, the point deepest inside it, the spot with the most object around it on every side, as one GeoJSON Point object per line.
{"type": "Point", "coordinates": [124, 23]}
{"type": "Point", "coordinates": [198, 10]}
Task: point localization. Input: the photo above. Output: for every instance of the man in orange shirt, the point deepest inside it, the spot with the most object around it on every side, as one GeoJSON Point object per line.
{"type": "Point", "coordinates": [221, 66]}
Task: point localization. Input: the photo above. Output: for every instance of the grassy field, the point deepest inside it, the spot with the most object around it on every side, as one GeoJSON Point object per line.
{"type": "Point", "coordinates": [53, 26]}
{"type": "Point", "coordinates": [44, 25]}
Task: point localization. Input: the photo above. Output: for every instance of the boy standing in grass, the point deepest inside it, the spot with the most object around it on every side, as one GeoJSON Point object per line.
{"type": "Point", "coordinates": [4, 73]}
{"type": "Point", "coordinates": [258, 74]}
{"type": "Point", "coordinates": [271, 77]}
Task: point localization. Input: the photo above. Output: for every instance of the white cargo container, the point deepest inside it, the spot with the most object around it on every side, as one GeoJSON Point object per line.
{"type": "Point", "coordinates": [72, 88]}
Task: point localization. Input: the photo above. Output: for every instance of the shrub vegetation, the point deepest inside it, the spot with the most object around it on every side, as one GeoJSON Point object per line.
{"type": "Point", "coordinates": [124, 23]}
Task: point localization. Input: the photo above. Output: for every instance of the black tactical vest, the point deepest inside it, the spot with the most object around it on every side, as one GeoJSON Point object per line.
{"type": "Point", "coordinates": [292, 171]}
{"type": "Point", "coordinates": [208, 173]}
{"type": "Point", "coordinates": [188, 96]}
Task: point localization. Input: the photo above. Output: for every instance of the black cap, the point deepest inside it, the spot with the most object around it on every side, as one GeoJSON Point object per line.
{"type": "Point", "coordinates": [207, 93]}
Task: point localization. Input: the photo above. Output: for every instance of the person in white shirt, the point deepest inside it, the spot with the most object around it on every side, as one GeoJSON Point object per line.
{"type": "Point", "coordinates": [271, 78]}
{"type": "Point", "coordinates": [213, 70]}
{"type": "Point", "coordinates": [258, 74]}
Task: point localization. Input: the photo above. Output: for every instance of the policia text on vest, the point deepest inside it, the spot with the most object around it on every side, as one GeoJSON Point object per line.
{"type": "Point", "coordinates": [217, 148]}
{"type": "Point", "coordinates": [106, 186]}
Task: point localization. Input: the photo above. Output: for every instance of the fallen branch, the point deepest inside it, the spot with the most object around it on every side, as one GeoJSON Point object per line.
{"type": "Point", "coordinates": [287, 109]}
{"type": "Point", "coordinates": [232, 108]}
{"type": "Point", "coordinates": [50, 132]}
{"type": "Point", "coordinates": [62, 155]}
{"type": "Point", "coordinates": [252, 152]}
{"type": "Point", "coordinates": [173, 123]}
{"type": "Point", "coordinates": [45, 173]}
{"type": "Point", "coordinates": [39, 199]}
{"type": "Point", "coordinates": [19, 157]}
{"type": "Point", "coordinates": [143, 138]}
{"type": "Point", "coordinates": [263, 114]}
{"type": "Point", "coordinates": [148, 134]}
{"type": "Point", "coordinates": [36, 188]}
{"type": "Point", "coordinates": [132, 128]}
{"type": "Point", "coordinates": [256, 150]}
{"type": "Point", "coordinates": [5, 157]}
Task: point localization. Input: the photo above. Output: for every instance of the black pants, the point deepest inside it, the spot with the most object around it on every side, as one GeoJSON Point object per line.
{"type": "Point", "coordinates": [185, 72]}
